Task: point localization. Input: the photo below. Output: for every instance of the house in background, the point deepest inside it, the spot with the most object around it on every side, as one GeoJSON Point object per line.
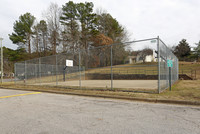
{"type": "Point", "coordinates": [131, 59]}
{"type": "Point", "coordinates": [146, 55]}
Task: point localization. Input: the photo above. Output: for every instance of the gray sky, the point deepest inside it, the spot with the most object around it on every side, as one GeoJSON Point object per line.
{"type": "Point", "coordinates": [172, 20]}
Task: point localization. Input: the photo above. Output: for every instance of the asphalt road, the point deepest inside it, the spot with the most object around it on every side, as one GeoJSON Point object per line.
{"type": "Point", "coordinates": [45, 113]}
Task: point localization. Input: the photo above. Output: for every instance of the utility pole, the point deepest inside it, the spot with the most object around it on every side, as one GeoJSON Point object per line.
{"type": "Point", "coordinates": [1, 39]}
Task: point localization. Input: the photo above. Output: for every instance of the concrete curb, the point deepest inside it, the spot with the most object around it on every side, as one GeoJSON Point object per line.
{"type": "Point", "coordinates": [179, 102]}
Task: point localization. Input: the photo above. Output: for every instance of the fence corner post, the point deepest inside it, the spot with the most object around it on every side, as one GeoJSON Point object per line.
{"type": "Point", "coordinates": [158, 55]}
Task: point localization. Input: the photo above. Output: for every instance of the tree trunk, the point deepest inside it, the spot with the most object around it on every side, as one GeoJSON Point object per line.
{"type": "Point", "coordinates": [44, 44]}
{"type": "Point", "coordinates": [87, 55]}
{"type": "Point", "coordinates": [54, 43]}
{"type": "Point", "coordinates": [29, 44]}
{"type": "Point", "coordinates": [37, 43]}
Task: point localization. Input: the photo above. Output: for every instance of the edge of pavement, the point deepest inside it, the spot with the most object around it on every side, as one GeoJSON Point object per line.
{"type": "Point", "coordinates": [180, 102]}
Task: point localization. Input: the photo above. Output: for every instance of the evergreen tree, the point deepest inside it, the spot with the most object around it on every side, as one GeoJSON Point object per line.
{"type": "Point", "coordinates": [110, 27]}
{"type": "Point", "coordinates": [182, 51]}
{"type": "Point", "coordinates": [197, 51]}
{"type": "Point", "coordinates": [23, 31]}
{"type": "Point", "coordinates": [88, 21]}
{"type": "Point", "coordinates": [70, 33]}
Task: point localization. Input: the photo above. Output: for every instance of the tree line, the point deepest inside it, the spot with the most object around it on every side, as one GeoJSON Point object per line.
{"type": "Point", "coordinates": [76, 26]}
{"type": "Point", "coordinates": [68, 28]}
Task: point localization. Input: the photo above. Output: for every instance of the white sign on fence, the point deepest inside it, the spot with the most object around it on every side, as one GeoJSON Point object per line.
{"type": "Point", "coordinates": [69, 63]}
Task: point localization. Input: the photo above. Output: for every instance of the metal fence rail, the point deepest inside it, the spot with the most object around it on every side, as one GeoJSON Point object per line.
{"type": "Point", "coordinates": [110, 67]}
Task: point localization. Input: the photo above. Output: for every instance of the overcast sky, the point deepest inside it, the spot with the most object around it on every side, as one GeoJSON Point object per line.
{"type": "Point", "coordinates": [172, 20]}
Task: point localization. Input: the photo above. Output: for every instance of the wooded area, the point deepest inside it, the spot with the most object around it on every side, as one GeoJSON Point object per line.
{"type": "Point", "coordinates": [72, 27]}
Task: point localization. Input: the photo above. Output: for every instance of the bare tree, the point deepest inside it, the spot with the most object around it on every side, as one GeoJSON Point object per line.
{"type": "Point", "coordinates": [145, 52]}
{"type": "Point", "coordinates": [52, 16]}
{"type": "Point", "coordinates": [40, 37]}
{"type": "Point", "coordinates": [36, 38]}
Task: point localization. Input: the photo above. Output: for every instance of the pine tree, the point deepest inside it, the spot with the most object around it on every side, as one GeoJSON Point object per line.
{"type": "Point", "coordinates": [23, 31]}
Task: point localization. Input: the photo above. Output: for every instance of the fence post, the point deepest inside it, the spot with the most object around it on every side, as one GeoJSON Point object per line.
{"type": "Point", "coordinates": [177, 64]}
{"type": "Point", "coordinates": [56, 71]}
{"type": "Point", "coordinates": [15, 73]}
{"type": "Point", "coordinates": [52, 72]}
{"type": "Point", "coordinates": [25, 73]}
{"type": "Point", "coordinates": [35, 73]}
{"type": "Point", "coordinates": [158, 49]}
{"type": "Point", "coordinates": [40, 71]}
{"type": "Point", "coordinates": [170, 79]}
{"type": "Point", "coordinates": [79, 57]}
{"type": "Point", "coordinates": [111, 67]}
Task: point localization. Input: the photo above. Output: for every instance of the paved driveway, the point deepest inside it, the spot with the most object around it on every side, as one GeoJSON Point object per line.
{"type": "Point", "coordinates": [43, 113]}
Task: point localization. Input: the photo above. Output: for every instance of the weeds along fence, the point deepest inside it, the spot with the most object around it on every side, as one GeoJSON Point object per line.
{"type": "Point", "coordinates": [139, 66]}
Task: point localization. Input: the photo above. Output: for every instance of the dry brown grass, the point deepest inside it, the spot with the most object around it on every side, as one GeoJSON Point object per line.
{"type": "Point", "coordinates": [186, 90]}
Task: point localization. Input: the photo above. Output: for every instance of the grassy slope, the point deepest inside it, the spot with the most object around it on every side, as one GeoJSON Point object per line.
{"type": "Point", "coordinates": [182, 90]}
{"type": "Point", "coordinates": [140, 68]}
{"type": "Point", "coordinates": [149, 69]}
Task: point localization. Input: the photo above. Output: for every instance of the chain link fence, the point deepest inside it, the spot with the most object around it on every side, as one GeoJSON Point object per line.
{"type": "Point", "coordinates": [138, 66]}
{"type": "Point", "coordinates": [166, 54]}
